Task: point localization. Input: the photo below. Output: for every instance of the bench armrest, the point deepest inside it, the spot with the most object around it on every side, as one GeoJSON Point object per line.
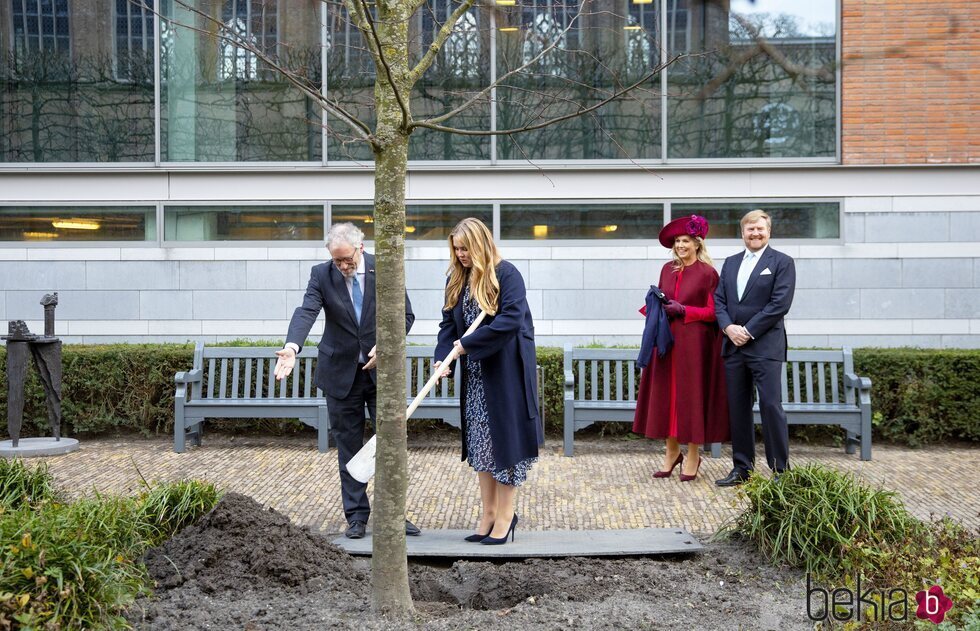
{"type": "Point", "coordinates": [189, 376]}
{"type": "Point", "coordinates": [569, 385]}
{"type": "Point", "coordinates": [853, 381]}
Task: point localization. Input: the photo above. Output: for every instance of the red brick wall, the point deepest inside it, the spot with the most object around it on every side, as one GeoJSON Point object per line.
{"type": "Point", "coordinates": [910, 91]}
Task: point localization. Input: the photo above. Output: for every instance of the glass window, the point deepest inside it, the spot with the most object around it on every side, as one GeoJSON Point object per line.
{"type": "Point", "coordinates": [581, 221]}
{"type": "Point", "coordinates": [134, 40]}
{"type": "Point", "coordinates": [76, 84]}
{"type": "Point", "coordinates": [459, 72]}
{"type": "Point", "coordinates": [243, 223]}
{"type": "Point", "coordinates": [220, 103]}
{"type": "Point", "coordinates": [423, 222]}
{"type": "Point", "coordinates": [350, 81]}
{"type": "Point", "coordinates": [760, 82]}
{"type": "Point", "coordinates": [80, 223]}
{"type": "Point", "coordinates": [610, 44]}
{"type": "Point", "coordinates": [790, 220]}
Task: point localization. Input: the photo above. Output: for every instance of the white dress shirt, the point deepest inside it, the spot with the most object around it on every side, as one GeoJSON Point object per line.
{"type": "Point", "coordinates": [746, 268]}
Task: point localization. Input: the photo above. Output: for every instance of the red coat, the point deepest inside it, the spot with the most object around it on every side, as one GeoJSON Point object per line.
{"type": "Point", "coordinates": [682, 395]}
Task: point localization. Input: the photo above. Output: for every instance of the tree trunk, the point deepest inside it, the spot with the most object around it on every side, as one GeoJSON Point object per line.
{"type": "Point", "coordinates": [389, 562]}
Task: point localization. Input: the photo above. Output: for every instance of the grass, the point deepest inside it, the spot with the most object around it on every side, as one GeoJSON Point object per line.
{"type": "Point", "coordinates": [76, 565]}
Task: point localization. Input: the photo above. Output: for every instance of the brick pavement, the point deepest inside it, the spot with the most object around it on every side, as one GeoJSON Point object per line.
{"type": "Point", "coordinates": [607, 484]}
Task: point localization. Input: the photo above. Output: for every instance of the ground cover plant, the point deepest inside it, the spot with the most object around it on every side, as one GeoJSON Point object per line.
{"type": "Point", "coordinates": [837, 529]}
{"type": "Point", "coordinates": [77, 564]}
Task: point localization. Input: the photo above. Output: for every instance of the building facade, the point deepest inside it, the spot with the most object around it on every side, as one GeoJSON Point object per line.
{"type": "Point", "coordinates": [172, 186]}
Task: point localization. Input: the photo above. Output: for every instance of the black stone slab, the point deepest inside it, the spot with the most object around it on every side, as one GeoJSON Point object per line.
{"type": "Point", "coordinates": [547, 543]}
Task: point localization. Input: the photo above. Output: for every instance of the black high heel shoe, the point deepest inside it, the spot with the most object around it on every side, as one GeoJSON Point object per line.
{"type": "Point", "coordinates": [478, 537]}
{"type": "Point", "coordinates": [493, 541]}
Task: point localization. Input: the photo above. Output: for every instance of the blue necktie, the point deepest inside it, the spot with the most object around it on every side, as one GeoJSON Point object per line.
{"type": "Point", "coordinates": [357, 296]}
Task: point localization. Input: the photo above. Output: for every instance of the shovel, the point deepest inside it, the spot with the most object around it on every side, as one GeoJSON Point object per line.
{"type": "Point", "coordinates": [361, 466]}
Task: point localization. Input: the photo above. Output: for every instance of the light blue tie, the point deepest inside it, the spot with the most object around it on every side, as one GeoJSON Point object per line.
{"type": "Point", "coordinates": [357, 296]}
{"type": "Point", "coordinates": [743, 274]}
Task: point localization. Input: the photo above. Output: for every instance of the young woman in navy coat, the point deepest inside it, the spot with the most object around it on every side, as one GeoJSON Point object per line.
{"type": "Point", "coordinates": [501, 430]}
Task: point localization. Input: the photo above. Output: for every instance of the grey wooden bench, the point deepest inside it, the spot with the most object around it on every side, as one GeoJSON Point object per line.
{"type": "Point", "coordinates": [239, 382]}
{"type": "Point", "coordinates": [818, 388]}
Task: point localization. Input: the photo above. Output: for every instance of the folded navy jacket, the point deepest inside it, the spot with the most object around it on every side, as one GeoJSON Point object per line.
{"type": "Point", "coordinates": [656, 331]}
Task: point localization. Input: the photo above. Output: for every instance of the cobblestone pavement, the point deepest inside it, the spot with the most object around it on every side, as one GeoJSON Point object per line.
{"type": "Point", "coordinates": [607, 484]}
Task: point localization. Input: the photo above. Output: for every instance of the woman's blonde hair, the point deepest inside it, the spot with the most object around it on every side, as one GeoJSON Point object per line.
{"type": "Point", "coordinates": [702, 252]}
{"type": "Point", "coordinates": [484, 257]}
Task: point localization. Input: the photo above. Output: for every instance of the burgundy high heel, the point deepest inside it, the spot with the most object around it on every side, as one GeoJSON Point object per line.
{"type": "Point", "coordinates": [666, 474]}
{"type": "Point", "coordinates": [688, 478]}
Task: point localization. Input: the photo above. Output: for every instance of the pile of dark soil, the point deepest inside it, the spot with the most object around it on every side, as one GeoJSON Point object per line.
{"type": "Point", "coordinates": [245, 567]}
{"type": "Point", "coordinates": [240, 545]}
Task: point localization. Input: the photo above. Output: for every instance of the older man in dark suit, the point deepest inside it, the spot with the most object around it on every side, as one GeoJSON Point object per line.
{"type": "Point", "coordinates": [753, 295]}
{"type": "Point", "coordinates": [344, 290]}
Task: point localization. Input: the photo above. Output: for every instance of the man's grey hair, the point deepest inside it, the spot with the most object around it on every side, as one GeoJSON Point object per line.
{"type": "Point", "coordinates": [345, 233]}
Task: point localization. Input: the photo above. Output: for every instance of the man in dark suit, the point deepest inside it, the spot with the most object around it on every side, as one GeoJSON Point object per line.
{"type": "Point", "coordinates": [344, 290]}
{"type": "Point", "coordinates": [754, 292]}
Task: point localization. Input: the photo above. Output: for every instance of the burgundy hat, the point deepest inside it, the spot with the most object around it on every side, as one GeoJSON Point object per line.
{"type": "Point", "coordinates": [694, 226]}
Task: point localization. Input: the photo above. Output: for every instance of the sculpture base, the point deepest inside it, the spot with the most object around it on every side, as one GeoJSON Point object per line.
{"type": "Point", "coordinates": [31, 447]}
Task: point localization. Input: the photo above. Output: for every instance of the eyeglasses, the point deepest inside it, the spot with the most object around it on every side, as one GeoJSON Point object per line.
{"type": "Point", "coordinates": [350, 260]}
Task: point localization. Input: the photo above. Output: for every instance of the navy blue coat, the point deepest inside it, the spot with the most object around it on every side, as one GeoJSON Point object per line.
{"type": "Point", "coordinates": [656, 331]}
{"type": "Point", "coordinates": [768, 297]}
{"type": "Point", "coordinates": [504, 344]}
{"type": "Point", "coordinates": [344, 338]}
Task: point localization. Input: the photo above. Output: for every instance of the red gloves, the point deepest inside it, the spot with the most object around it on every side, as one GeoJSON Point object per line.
{"type": "Point", "coordinates": [674, 309]}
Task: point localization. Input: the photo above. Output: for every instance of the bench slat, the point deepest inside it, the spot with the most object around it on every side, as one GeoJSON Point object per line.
{"type": "Point", "coordinates": [223, 380]}
{"type": "Point", "coordinates": [296, 379]}
{"type": "Point", "coordinates": [307, 376]}
{"type": "Point", "coordinates": [595, 379]}
{"type": "Point", "coordinates": [796, 382]}
{"type": "Point", "coordinates": [784, 384]}
{"type": "Point", "coordinates": [808, 369]}
{"type": "Point", "coordinates": [259, 364]}
{"type": "Point", "coordinates": [248, 378]}
{"type": "Point", "coordinates": [821, 382]}
{"type": "Point", "coordinates": [210, 378]}
{"type": "Point", "coordinates": [834, 394]}
{"type": "Point", "coordinates": [581, 380]}
{"type": "Point", "coordinates": [270, 391]}
{"type": "Point", "coordinates": [605, 381]}
{"type": "Point", "coordinates": [631, 373]}
{"type": "Point", "coordinates": [234, 378]}
{"type": "Point", "coordinates": [619, 380]}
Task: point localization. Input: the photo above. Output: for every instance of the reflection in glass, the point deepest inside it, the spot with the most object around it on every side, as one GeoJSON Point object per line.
{"type": "Point", "coordinates": [762, 82]}
{"type": "Point", "coordinates": [79, 223]}
{"type": "Point", "coordinates": [423, 222]}
{"type": "Point", "coordinates": [790, 220]}
{"type": "Point", "coordinates": [580, 221]}
{"type": "Point", "coordinates": [610, 44]}
{"type": "Point", "coordinates": [243, 223]}
{"type": "Point", "coordinates": [350, 82]}
{"type": "Point", "coordinates": [461, 69]}
{"type": "Point", "coordinates": [220, 103]}
{"type": "Point", "coordinates": [76, 82]}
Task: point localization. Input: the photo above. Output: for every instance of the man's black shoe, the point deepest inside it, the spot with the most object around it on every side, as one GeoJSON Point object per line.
{"type": "Point", "coordinates": [736, 477]}
{"type": "Point", "coordinates": [355, 530]}
{"type": "Point", "coordinates": [411, 529]}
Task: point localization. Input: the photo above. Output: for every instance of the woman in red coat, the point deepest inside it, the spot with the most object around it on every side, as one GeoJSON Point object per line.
{"type": "Point", "coordinates": [682, 394]}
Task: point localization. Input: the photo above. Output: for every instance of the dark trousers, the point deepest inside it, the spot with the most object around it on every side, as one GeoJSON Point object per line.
{"type": "Point", "coordinates": [347, 429]}
{"type": "Point", "coordinates": [743, 375]}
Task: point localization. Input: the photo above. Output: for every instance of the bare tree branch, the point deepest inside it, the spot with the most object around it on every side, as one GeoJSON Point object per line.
{"type": "Point", "coordinates": [476, 98]}
{"type": "Point", "coordinates": [444, 33]}
{"type": "Point", "coordinates": [360, 128]}
{"type": "Point", "coordinates": [549, 122]}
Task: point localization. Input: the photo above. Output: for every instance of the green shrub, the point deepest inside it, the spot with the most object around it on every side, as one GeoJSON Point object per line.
{"type": "Point", "coordinates": [20, 484]}
{"type": "Point", "coordinates": [166, 509]}
{"type": "Point", "coordinates": [830, 525]}
{"type": "Point", "coordinates": [923, 396]}
{"type": "Point", "coordinates": [813, 516]}
{"type": "Point", "coordinates": [76, 565]}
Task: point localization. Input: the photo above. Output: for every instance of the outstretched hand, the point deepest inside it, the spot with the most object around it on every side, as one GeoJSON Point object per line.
{"type": "Point", "coordinates": [285, 363]}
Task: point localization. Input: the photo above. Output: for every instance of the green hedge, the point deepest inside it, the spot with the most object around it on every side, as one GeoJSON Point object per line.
{"type": "Point", "coordinates": [918, 396]}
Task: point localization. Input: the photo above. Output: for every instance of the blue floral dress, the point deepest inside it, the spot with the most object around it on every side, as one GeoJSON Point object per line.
{"type": "Point", "coordinates": [479, 447]}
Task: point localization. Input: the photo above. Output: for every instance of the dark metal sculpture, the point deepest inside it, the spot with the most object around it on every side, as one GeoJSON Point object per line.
{"type": "Point", "coordinates": [46, 351]}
